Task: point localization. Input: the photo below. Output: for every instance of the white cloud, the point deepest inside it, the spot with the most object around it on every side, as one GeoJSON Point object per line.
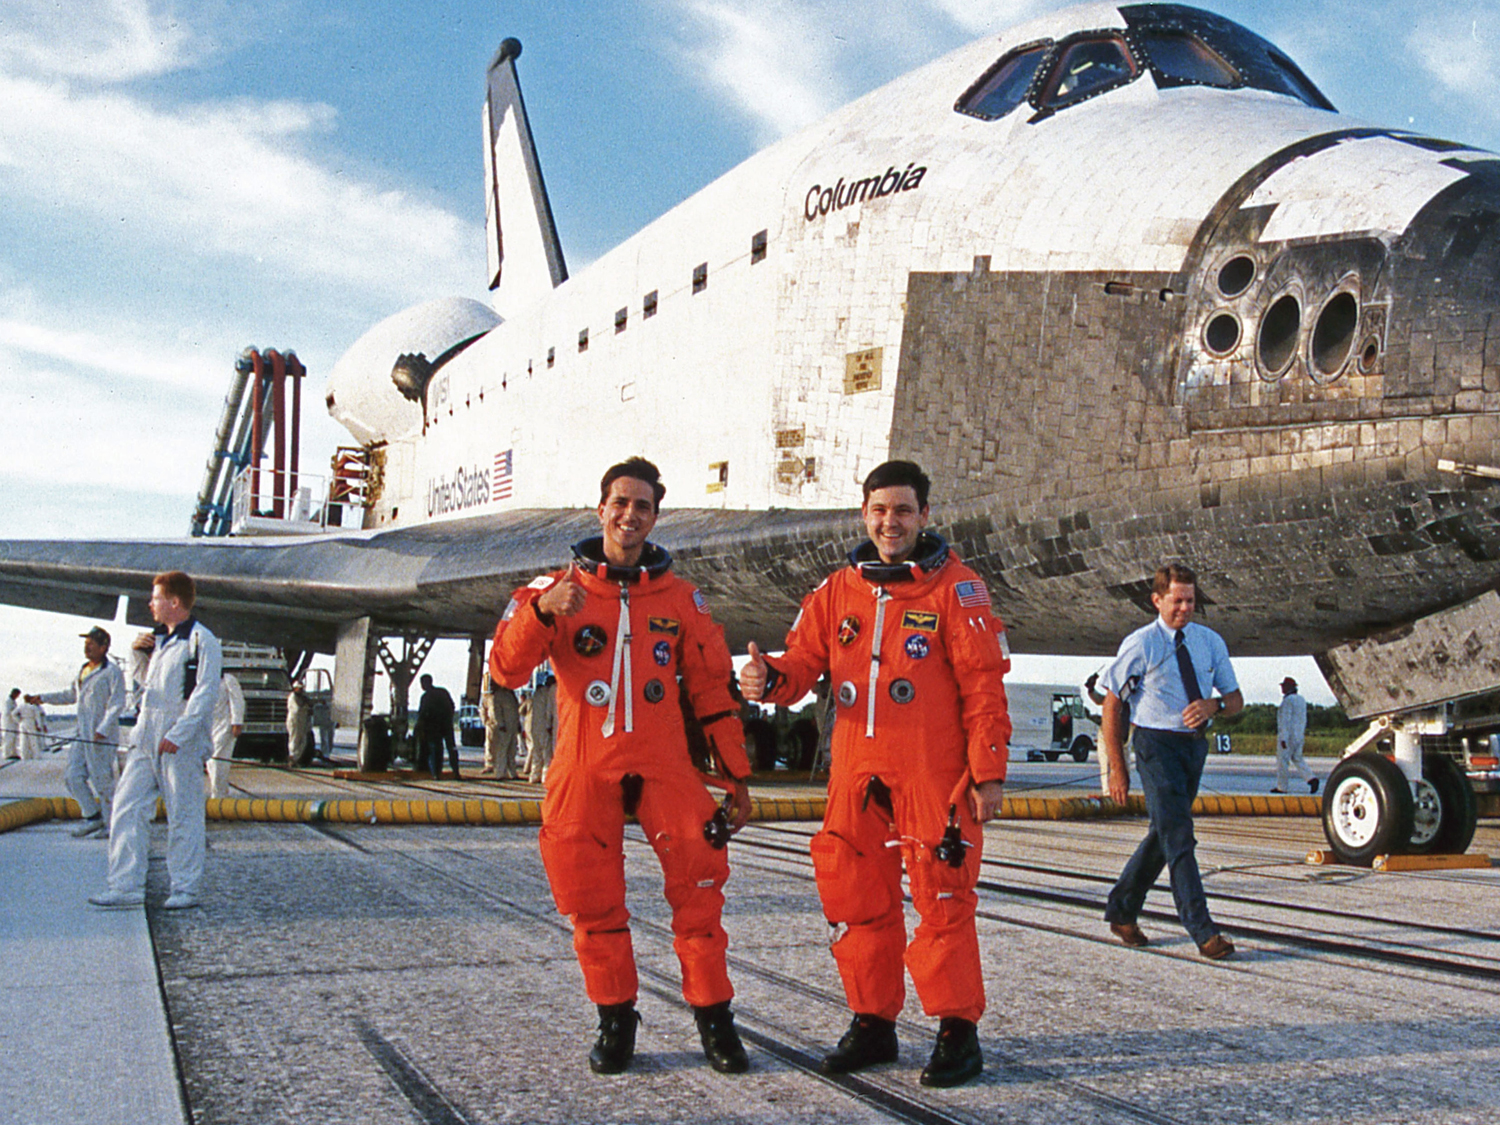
{"type": "Point", "coordinates": [71, 427]}
{"type": "Point", "coordinates": [99, 40]}
{"type": "Point", "coordinates": [110, 354]}
{"type": "Point", "coordinates": [1460, 50]}
{"type": "Point", "coordinates": [743, 54]}
{"type": "Point", "coordinates": [786, 63]}
{"type": "Point", "coordinates": [227, 180]}
{"type": "Point", "coordinates": [979, 16]}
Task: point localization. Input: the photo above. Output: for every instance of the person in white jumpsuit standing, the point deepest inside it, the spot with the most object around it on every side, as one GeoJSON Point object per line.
{"type": "Point", "coordinates": [229, 722]}
{"type": "Point", "coordinates": [33, 730]}
{"type": "Point", "coordinates": [299, 711]}
{"type": "Point", "coordinates": [502, 729]}
{"type": "Point", "coordinates": [1291, 730]}
{"type": "Point", "coordinates": [541, 728]}
{"type": "Point", "coordinates": [172, 741]}
{"type": "Point", "coordinates": [99, 694]}
{"type": "Point", "coordinates": [10, 726]}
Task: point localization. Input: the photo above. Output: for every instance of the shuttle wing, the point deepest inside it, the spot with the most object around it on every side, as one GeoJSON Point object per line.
{"type": "Point", "coordinates": [451, 578]}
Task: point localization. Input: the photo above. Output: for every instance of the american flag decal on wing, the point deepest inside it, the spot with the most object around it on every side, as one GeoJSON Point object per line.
{"type": "Point", "coordinates": [502, 488]}
{"type": "Point", "coordinates": [972, 593]}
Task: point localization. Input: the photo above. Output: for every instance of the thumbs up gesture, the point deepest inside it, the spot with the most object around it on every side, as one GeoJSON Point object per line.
{"type": "Point", "coordinates": [753, 675]}
{"type": "Point", "coordinates": [563, 598]}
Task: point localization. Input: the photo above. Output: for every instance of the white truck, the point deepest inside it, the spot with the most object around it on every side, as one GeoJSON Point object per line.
{"type": "Point", "coordinates": [263, 678]}
{"type": "Point", "coordinates": [1048, 721]}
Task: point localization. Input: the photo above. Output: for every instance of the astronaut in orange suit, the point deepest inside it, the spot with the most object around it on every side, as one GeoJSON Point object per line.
{"type": "Point", "coordinates": [620, 629]}
{"type": "Point", "coordinates": [916, 658]}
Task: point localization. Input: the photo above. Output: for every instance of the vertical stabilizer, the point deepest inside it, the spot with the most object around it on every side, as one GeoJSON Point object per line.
{"type": "Point", "coordinates": [525, 256]}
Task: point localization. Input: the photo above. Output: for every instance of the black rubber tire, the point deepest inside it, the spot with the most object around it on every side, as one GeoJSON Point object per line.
{"type": "Point", "coordinates": [374, 752]}
{"type": "Point", "coordinates": [1367, 809]}
{"type": "Point", "coordinates": [1457, 809]}
{"type": "Point", "coordinates": [760, 741]}
{"type": "Point", "coordinates": [1082, 748]}
{"type": "Point", "coordinates": [804, 739]}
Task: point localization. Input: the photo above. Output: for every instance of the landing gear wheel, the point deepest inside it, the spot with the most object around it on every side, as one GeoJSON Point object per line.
{"type": "Point", "coordinates": [1367, 809]}
{"type": "Point", "coordinates": [1445, 809]}
{"type": "Point", "coordinates": [760, 741]}
{"type": "Point", "coordinates": [1082, 747]}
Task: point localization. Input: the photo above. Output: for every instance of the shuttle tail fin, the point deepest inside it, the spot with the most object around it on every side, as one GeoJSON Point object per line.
{"type": "Point", "coordinates": [525, 255]}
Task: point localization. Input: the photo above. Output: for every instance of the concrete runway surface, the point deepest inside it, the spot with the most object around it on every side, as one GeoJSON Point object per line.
{"type": "Point", "coordinates": [350, 973]}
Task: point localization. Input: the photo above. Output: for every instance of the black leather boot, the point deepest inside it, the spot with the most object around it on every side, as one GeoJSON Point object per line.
{"type": "Point", "coordinates": [869, 1040]}
{"type": "Point", "coordinates": [721, 1042]}
{"type": "Point", "coordinates": [956, 1057]}
{"type": "Point", "coordinates": [616, 1043]}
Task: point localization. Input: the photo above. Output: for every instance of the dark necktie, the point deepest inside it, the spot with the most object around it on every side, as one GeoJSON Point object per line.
{"type": "Point", "coordinates": [1185, 666]}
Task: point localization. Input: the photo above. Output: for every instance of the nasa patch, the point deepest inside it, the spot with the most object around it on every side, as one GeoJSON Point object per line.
{"type": "Point", "coordinates": [654, 691]}
{"type": "Point", "coordinates": [597, 693]}
{"type": "Point", "coordinates": [661, 652]}
{"type": "Point", "coordinates": [917, 646]}
{"type": "Point", "coordinates": [590, 640]}
{"type": "Point", "coordinates": [849, 629]}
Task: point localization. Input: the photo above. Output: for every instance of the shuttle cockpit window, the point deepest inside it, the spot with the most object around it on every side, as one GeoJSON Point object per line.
{"type": "Point", "coordinates": [1180, 58]}
{"type": "Point", "coordinates": [1286, 78]}
{"type": "Point", "coordinates": [1005, 85]}
{"type": "Point", "coordinates": [1087, 67]}
{"type": "Point", "coordinates": [1181, 46]}
{"type": "Point", "coordinates": [1191, 47]}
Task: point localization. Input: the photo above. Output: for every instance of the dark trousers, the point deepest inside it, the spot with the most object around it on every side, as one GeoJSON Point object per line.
{"type": "Point", "coordinates": [433, 742]}
{"type": "Point", "coordinates": [1171, 766]}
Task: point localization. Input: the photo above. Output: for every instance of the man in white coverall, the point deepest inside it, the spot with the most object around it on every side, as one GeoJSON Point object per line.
{"type": "Point", "coordinates": [229, 721]}
{"type": "Point", "coordinates": [541, 728]}
{"type": "Point", "coordinates": [173, 738]}
{"type": "Point", "coordinates": [33, 729]}
{"type": "Point", "coordinates": [1291, 730]}
{"type": "Point", "coordinates": [99, 693]}
{"type": "Point", "coordinates": [10, 726]}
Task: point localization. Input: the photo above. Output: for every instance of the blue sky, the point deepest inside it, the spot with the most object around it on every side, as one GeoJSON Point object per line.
{"type": "Point", "coordinates": [180, 181]}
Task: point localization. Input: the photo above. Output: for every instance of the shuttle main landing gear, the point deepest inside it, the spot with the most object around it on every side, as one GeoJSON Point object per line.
{"type": "Point", "coordinates": [1415, 802]}
{"type": "Point", "coordinates": [1416, 682]}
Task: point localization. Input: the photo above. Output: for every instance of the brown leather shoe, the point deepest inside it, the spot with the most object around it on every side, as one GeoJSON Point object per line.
{"type": "Point", "coordinates": [1217, 948]}
{"type": "Point", "coordinates": [1128, 933]}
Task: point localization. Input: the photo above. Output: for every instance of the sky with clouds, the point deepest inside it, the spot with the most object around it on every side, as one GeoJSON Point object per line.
{"type": "Point", "coordinates": [179, 181]}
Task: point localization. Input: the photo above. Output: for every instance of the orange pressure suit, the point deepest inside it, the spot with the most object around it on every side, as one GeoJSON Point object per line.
{"type": "Point", "coordinates": [916, 659]}
{"type": "Point", "coordinates": [621, 741]}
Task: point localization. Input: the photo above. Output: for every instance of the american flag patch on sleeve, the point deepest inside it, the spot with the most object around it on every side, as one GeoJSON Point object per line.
{"type": "Point", "coordinates": [972, 593]}
{"type": "Point", "coordinates": [699, 602]}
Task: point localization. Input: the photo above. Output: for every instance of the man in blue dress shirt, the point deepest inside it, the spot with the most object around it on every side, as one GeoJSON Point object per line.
{"type": "Point", "coordinates": [1166, 674]}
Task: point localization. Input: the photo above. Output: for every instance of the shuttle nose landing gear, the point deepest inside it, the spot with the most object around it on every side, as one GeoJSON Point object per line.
{"type": "Point", "coordinates": [1418, 803]}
